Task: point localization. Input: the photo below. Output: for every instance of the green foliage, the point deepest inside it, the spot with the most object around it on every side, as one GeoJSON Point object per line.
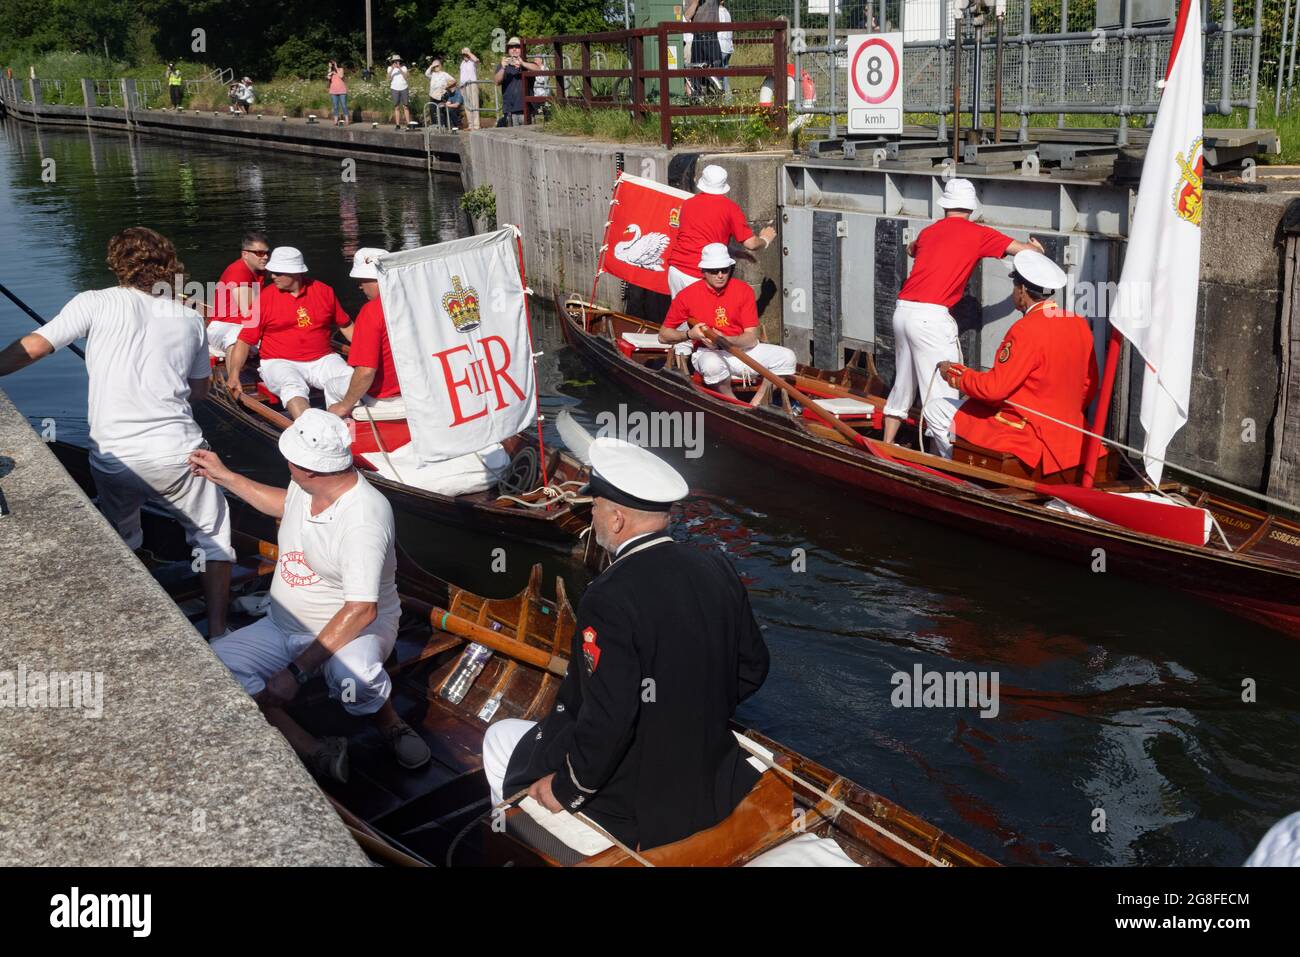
{"type": "Point", "coordinates": [481, 204]}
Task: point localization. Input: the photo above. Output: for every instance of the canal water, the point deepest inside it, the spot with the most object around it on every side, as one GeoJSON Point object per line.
{"type": "Point", "coordinates": [1121, 735]}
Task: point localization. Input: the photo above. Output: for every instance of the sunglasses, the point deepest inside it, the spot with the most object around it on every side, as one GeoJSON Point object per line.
{"type": "Point", "coordinates": [258, 252]}
{"type": "Point", "coordinates": [716, 271]}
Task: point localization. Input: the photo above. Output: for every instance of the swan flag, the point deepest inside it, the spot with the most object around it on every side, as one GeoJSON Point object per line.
{"type": "Point", "coordinates": [1155, 303]}
{"type": "Point", "coordinates": [459, 332]}
{"type": "Point", "coordinates": [642, 226]}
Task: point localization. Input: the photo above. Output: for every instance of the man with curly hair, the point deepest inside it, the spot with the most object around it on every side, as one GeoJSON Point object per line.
{"type": "Point", "coordinates": [147, 360]}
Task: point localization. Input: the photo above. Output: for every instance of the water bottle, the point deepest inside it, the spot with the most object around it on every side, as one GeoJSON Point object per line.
{"type": "Point", "coordinates": [471, 663]}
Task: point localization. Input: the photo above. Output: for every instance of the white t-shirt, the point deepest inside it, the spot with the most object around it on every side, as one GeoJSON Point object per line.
{"type": "Point", "coordinates": [141, 352]}
{"type": "Point", "coordinates": [346, 553]}
{"type": "Point", "coordinates": [468, 72]}
{"type": "Point", "coordinates": [725, 44]}
{"type": "Point", "coordinates": [397, 78]}
{"type": "Point", "coordinates": [439, 80]}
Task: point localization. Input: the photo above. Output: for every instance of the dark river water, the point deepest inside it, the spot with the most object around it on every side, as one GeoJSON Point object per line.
{"type": "Point", "coordinates": [1121, 737]}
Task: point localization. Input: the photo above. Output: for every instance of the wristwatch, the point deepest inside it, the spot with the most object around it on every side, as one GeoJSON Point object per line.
{"type": "Point", "coordinates": [299, 675]}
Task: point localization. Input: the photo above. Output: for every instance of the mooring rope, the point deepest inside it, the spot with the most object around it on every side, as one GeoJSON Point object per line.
{"type": "Point", "coordinates": [554, 494]}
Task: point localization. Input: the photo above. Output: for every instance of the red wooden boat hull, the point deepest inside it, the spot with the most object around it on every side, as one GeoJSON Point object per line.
{"type": "Point", "coordinates": [1268, 593]}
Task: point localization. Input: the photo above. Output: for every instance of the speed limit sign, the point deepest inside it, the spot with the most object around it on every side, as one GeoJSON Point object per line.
{"type": "Point", "coordinates": [875, 83]}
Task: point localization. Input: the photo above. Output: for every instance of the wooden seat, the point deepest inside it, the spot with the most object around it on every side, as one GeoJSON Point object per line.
{"type": "Point", "coordinates": [1008, 464]}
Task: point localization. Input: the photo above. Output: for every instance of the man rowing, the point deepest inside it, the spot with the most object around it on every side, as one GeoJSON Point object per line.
{"type": "Point", "coordinates": [725, 304]}
{"type": "Point", "coordinates": [709, 217]}
{"type": "Point", "coordinates": [147, 361]}
{"type": "Point", "coordinates": [664, 648]}
{"type": "Point", "coordinates": [334, 602]}
{"type": "Point", "coordinates": [373, 382]}
{"type": "Point", "coordinates": [1045, 364]}
{"type": "Point", "coordinates": [292, 330]}
{"type": "Point", "coordinates": [925, 333]}
{"type": "Point", "coordinates": [237, 292]}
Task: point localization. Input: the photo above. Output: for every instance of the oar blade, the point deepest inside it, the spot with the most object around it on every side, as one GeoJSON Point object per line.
{"type": "Point", "coordinates": [575, 438]}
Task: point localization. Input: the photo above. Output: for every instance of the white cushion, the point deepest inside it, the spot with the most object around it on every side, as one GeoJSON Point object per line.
{"type": "Point", "coordinates": [806, 850]}
{"type": "Point", "coordinates": [845, 406]}
{"type": "Point", "coordinates": [645, 340]}
{"type": "Point", "coordinates": [566, 828]}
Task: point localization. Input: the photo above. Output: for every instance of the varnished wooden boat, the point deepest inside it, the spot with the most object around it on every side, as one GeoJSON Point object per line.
{"type": "Point", "coordinates": [519, 509]}
{"type": "Point", "coordinates": [441, 814]}
{"type": "Point", "coordinates": [1255, 575]}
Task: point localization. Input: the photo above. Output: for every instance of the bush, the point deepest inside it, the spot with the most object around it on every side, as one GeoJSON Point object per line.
{"type": "Point", "coordinates": [481, 205]}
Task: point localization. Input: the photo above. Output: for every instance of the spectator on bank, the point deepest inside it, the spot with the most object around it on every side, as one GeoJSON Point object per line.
{"type": "Point", "coordinates": [726, 45]}
{"type": "Point", "coordinates": [439, 82]}
{"type": "Point", "coordinates": [469, 87]}
{"type": "Point", "coordinates": [247, 96]}
{"type": "Point", "coordinates": [454, 107]}
{"type": "Point", "coordinates": [236, 92]}
{"type": "Point", "coordinates": [338, 94]}
{"type": "Point", "coordinates": [175, 85]}
{"type": "Point", "coordinates": [400, 90]}
{"type": "Point", "coordinates": [704, 49]}
{"type": "Point", "coordinates": [513, 75]}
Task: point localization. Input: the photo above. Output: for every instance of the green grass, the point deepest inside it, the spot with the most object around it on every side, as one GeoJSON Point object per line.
{"type": "Point", "coordinates": [745, 130]}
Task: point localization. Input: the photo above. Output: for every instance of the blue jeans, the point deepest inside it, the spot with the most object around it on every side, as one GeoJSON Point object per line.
{"type": "Point", "coordinates": [339, 105]}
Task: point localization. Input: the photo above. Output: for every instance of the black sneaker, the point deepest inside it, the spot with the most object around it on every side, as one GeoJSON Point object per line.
{"type": "Point", "coordinates": [331, 759]}
{"type": "Point", "coordinates": [407, 746]}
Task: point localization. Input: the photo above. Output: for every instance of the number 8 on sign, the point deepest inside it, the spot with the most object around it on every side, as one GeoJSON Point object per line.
{"type": "Point", "coordinates": [874, 71]}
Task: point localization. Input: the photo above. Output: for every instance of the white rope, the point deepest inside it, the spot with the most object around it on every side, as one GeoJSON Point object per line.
{"type": "Point", "coordinates": [840, 805]}
{"type": "Point", "coordinates": [375, 432]}
{"type": "Point", "coordinates": [552, 495]}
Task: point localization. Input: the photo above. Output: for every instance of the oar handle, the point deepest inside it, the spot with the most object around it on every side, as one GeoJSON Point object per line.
{"type": "Point", "coordinates": [444, 620]}
{"type": "Point", "coordinates": [795, 393]}
{"type": "Point", "coordinates": [38, 320]}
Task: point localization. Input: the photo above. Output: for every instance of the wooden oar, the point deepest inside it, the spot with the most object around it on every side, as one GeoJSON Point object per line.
{"type": "Point", "coordinates": [446, 621]}
{"type": "Point", "coordinates": [795, 393]}
{"type": "Point", "coordinates": [36, 318]}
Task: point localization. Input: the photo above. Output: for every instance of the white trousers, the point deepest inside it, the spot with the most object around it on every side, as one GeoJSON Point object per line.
{"type": "Point", "coordinates": [939, 415]}
{"type": "Point", "coordinates": [716, 366]}
{"type": "Point", "coordinates": [221, 336]}
{"type": "Point", "coordinates": [924, 335]}
{"type": "Point", "coordinates": [498, 744]}
{"type": "Point", "coordinates": [355, 673]}
{"type": "Point", "coordinates": [288, 379]}
{"type": "Point", "coordinates": [381, 410]}
{"type": "Point", "coordinates": [199, 505]}
{"type": "Point", "coordinates": [678, 280]}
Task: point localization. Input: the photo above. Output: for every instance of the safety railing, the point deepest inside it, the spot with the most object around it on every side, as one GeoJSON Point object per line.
{"type": "Point", "coordinates": [646, 89]}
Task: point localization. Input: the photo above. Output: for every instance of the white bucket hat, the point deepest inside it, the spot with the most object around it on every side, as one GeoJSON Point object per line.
{"type": "Point", "coordinates": [715, 256]}
{"type": "Point", "coordinates": [713, 180]}
{"type": "Point", "coordinates": [1034, 269]}
{"type": "Point", "coordinates": [286, 259]}
{"type": "Point", "coordinates": [363, 263]}
{"type": "Point", "coordinates": [959, 194]}
{"type": "Point", "coordinates": [317, 440]}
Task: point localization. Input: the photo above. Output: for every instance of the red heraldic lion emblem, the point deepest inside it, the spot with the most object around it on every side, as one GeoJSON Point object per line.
{"type": "Point", "coordinates": [295, 570]}
{"type": "Point", "coordinates": [1187, 193]}
{"type": "Point", "coordinates": [590, 650]}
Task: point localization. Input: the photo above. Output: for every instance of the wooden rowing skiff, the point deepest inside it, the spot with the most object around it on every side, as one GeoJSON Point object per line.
{"type": "Point", "coordinates": [1256, 574]}
{"type": "Point", "coordinates": [519, 508]}
{"type": "Point", "coordinates": [441, 814]}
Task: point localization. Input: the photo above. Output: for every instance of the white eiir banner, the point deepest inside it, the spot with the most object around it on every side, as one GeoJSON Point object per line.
{"type": "Point", "coordinates": [456, 321]}
{"type": "Point", "coordinates": [1155, 305]}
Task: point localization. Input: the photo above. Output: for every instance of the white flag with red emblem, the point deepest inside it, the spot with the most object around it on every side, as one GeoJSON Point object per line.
{"type": "Point", "coordinates": [643, 220]}
{"type": "Point", "coordinates": [1155, 305]}
{"type": "Point", "coordinates": [459, 332]}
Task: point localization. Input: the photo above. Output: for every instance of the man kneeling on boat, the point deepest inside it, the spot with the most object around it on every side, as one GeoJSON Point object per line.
{"type": "Point", "coordinates": [373, 382]}
{"type": "Point", "coordinates": [292, 330]}
{"type": "Point", "coordinates": [723, 303]}
{"type": "Point", "coordinates": [334, 602]}
{"type": "Point", "coordinates": [1046, 364]}
{"type": "Point", "coordinates": [664, 648]}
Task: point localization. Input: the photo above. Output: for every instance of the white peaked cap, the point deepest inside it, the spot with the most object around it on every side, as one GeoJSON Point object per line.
{"type": "Point", "coordinates": [715, 256]}
{"type": "Point", "coordinates": [317, 440]}
{"type": "Point", "coordinates": [363, 263]}
{"type": "Point", "coordinates": [713, 180]}
{"type": "Point", "coordinates": [959, 194]}
{"type": "Point", "coordinates": [629, 475]}
{"type": "Point", "coordinates": [1037, 270]}
{"type": "Point", "coordinates": [286, 259]}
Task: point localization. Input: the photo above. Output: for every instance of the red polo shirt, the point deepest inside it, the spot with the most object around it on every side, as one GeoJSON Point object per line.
{"type": "Point", "coordinates": [295, 327]}
{"type": "Point", "coordinates": [731, 311]}
{"type": "Point", "coordinates": [370, 348]}
{"type": "Point", "coordinates": [225, 306]}
{"type": "Point", "coordinates": [706, 218]}
{"type": "Point", "coordinates": [946, 253]}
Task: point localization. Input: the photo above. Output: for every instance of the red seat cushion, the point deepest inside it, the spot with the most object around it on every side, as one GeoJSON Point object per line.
{"type": "Point", "coordinates": [393, 434]}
